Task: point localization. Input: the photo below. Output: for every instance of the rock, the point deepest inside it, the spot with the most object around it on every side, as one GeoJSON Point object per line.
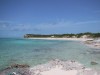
{"type": "Point", "coordinates": [93, 63]}
{"type": "Point", "coordinates": [20, 66]}
{"type": "Point", "coordinates": [17, 66]}
{"type": "Point", "coordinates": [17, 71]}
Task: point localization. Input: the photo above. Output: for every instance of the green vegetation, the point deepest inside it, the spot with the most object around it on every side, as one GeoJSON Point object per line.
{"type": "Point", "coordinates": [79, 35]}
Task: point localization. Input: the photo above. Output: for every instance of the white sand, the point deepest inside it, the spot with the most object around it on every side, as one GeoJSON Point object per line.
{"type": "Point", "coordinates": [58, 71]}
{"type": "Point", "coordinates": [58, 67]}
{"type": "Point", "coordinates": [93, 44]}
{"type": "Point", "coordinates": [73, 39]}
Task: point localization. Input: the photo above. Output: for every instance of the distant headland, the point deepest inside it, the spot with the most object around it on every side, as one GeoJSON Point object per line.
{"type": "Point", "coordinates": [79, 35]}
{"type": "Point", "coordinates": [90, 39]}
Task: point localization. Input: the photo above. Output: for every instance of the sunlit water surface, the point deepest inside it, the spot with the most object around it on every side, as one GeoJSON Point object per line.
{"type": "Point", "coordinates": [34, 52]}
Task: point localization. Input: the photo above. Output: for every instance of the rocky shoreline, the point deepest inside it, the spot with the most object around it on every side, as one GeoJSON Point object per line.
{"type": "Point", "coordinates": [61, 65]}
{"type": "Point", "coordinates": [93, 43]}
{"type": "Point", "coordinates": [64, 65]}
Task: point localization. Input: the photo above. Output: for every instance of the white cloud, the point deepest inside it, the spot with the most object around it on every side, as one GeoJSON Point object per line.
{"type": "Point", "coordinates": [59, 25]}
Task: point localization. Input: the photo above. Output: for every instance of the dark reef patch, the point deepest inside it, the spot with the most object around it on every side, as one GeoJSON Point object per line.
{"type": "Point", "coordinates": [20, 69]}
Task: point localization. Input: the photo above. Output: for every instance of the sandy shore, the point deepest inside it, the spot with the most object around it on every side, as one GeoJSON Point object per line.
{"type": "Point", "coordinates": [88, 41]}
{"type": "Point", "coordinates": [53, 67]}
{"type": "Point", "coordinates": [73, 39]}
{"type": "Point", "coordinates": [93, 43]}
{"type": "Point", "coordinates": [58, 71]}
{"type": "Point", "coordinates": [58, 67]}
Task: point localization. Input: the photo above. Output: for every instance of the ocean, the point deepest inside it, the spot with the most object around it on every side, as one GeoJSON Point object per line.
{"type": "Point", "coordinates": [33, 52]}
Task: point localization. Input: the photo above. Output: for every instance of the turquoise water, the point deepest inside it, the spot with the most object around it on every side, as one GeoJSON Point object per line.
{"type": "Point", "coordinates": [34, 52]}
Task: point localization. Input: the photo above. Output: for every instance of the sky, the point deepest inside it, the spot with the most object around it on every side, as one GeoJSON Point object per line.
{"type": "Point", "coordinates": [20, 17]}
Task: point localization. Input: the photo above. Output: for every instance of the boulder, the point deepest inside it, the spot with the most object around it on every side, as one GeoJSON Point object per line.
{"type": "Point", "coordinates": [93, 63]}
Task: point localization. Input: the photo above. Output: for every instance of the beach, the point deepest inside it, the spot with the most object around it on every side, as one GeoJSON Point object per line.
{"type": "Point", "coordinates": [73, 57]}
{"type": "Point", "coordinates": [49, 37]}
{"type": "Point", "coordinates": [57, 70]}
{"type": "Point", "coordinates": [73, 39]}
{"type": "Point", "coordinates": [55, 67]}
{"type": "Point", "coordinates": [91, 42]}
{"type": "Point", "coordinates": [58, 67]}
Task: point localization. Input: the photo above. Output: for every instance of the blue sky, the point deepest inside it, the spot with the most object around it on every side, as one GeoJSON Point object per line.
{"type": "Point", "coordinates": [19, 17]}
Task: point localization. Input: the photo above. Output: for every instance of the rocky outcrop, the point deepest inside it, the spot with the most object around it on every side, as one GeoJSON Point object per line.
{"type": "Point", "coordinates": [20, 69]}
{"type": "Point", "coordinates": [64, 65]}
{"type": "Point", "coordinates": [93, 43]}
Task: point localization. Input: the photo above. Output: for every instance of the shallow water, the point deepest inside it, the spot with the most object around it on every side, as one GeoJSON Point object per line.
{"type": "Point", "coordinates": [34, 52]}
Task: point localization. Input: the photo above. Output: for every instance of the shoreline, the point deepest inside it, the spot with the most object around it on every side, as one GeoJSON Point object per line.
{"type": "Point", "coordinates": [61, 67]}
{"type": "Point", "coordinates": [90, 42]}
{"type": "Point", "coordinates": [93, 43]}
{"type": "Point", "coordinates": [73, 39]}
{"type": "Point", "coordinates": [55, 67]}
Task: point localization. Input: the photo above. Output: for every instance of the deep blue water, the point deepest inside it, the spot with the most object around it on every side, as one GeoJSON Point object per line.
{"type": "Point", "coordinates": [34, 52]}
